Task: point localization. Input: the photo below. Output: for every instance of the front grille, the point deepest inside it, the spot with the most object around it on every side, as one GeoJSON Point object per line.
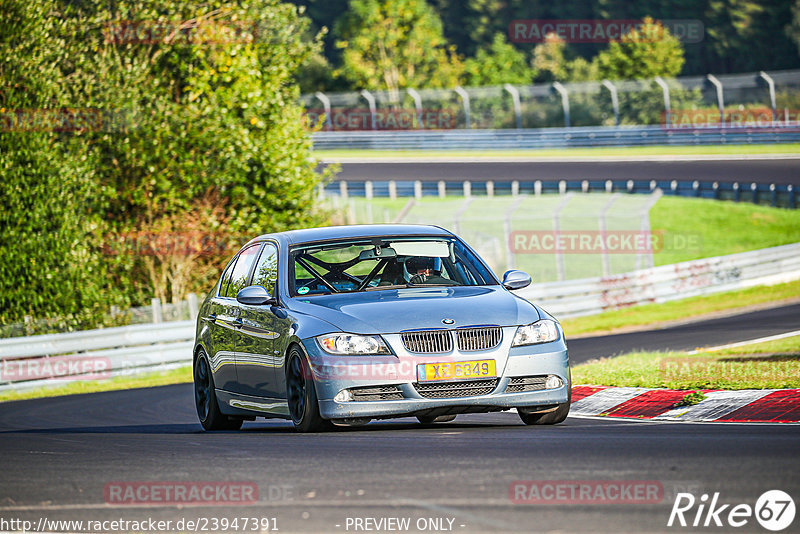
{"type": "Point", "coordinates": [438, 341]}
{"type": "Point", "coordinates": [473, 339]}
{"type": "Point", "coordinates": [520, 384]}
{"type": "Point", "coordinates": [428, 341]}
{"type": "Point", "coordinates": [449, 390]}
{"type": "Point", "coordinates": [377, 393]}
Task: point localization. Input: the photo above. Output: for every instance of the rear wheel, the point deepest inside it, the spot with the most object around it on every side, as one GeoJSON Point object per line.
{"type": "Point", "coordinates": [205, 399]}
{"type": "Point", "coordinates": [429, 419]}
{"type": "Point", "coordinates": [302, 395]}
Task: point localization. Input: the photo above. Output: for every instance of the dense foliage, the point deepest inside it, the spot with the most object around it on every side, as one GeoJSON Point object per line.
{"type": "Point", "coordinates": [739, 36]}
{"type": "Point", "coordinates": [191, 141]}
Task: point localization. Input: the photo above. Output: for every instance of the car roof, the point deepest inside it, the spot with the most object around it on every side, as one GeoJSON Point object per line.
{"type": "Point", "coordinates": [331, 233]}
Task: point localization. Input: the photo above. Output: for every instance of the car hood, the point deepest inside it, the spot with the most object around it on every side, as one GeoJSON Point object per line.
{"type": "Point", "coordinates": [397, 310]}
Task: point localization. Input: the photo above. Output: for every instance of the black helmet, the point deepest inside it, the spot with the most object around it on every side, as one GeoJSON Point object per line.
{"type": "Point", "coordinates": [423, 263]}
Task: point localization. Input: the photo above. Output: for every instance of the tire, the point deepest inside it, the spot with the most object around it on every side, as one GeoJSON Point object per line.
{"type": "Point", "coordinates": [205, 399]}
{"type": "Point", "coordinates": [551, 417]}
{"type": "Point", "coordinates": [301, 395]}
{"type": "Point", "coordinates": [429, 420]}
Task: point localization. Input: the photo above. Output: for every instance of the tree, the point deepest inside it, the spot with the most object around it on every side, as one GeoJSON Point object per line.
{"type": "Point", "coordinates": [394, 44]}
{"type": "Point", "coordinates": [642, 53]}
{"type": "Point", "coordinates": [793, 29]}
{"type": "Point", "coordinates": [549, 58]}
{"type": "Point", "coordinates": [551, 61]}
{"type": "Point", "coordinates": [497, 64]}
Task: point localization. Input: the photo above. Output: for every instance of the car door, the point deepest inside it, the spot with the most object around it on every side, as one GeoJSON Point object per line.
{"type": "Point", "coordinates": [230, 320]}
{"type": "Point", "coordinates": [284, 323]}
{"type": "Point", "coordinates": [220, 314]}
{"type": "Point", "coordinates": [256, 356]}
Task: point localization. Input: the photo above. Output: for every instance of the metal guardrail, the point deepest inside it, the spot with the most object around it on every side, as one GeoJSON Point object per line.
{"type": "Point", "coordinates": [144, 348]}
{"type": "Point", "coordinates": [157, 312]}
{"type": "Point", "coordinates": [667, 282]}
{"type": "Point", "coordinates": [51, 359]}
{"type": "Point", "coordinates": [599, 136]}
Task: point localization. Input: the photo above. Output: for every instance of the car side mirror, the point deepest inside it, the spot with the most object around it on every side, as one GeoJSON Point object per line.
{"type": "Point", "coordinates": [516, 280]}
{"type": "Point", "coordinates": [255, 296]}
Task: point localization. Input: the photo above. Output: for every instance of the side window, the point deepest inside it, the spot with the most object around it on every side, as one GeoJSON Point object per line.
{"type": "Point", "coordinates": [226, 277]}
{"type": "Point", "coordinates": [266, 273]}
{"type": "Point", "coordinates": [241, 270]}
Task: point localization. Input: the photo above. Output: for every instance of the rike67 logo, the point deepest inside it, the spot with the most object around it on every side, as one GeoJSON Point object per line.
{"type": "Point", "coordinates": [774, 510]}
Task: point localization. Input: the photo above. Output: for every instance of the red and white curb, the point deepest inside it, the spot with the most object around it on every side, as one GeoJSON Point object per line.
{"type": "Point", "coordinates": [744, 406]}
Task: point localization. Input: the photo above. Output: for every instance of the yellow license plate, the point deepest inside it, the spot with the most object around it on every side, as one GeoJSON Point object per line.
{"type": "Point", "coordinates": [427, 372]}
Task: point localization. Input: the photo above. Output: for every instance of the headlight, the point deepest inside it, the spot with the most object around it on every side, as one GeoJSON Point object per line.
{"type": "Point", "coordinates": [344, 344]}
{"type": "Point", "coordinates": [538, 332]}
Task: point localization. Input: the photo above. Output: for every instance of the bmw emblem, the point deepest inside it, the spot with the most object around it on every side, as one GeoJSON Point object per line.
{"type": "Point", "coordinates": [448, 321]}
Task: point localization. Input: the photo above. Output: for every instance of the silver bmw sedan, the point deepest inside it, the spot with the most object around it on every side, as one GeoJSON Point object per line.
{"type": "Point", "coordinates": [343, 325]}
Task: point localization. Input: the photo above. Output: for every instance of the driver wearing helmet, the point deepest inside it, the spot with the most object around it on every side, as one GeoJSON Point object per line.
{"type": "Point", "coordinates": [426, 270]}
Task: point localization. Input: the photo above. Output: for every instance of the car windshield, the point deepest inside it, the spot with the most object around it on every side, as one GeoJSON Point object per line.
{"type": "Point", "coordinates": [384, 263]}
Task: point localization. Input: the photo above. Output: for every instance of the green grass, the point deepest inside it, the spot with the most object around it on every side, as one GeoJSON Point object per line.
{"type": "Point", "coordinates": [159, 378]}
{"type": "Point", "coordinates": [690, 399]}
{"type": "Point", "coordinates": [789, 148]}
{"type": "Point", "coordinates": [701, 228]}
{"type": "Point", "coordinates": [771, 365]}
{"type": "Point", "coordinates": [651, 314]}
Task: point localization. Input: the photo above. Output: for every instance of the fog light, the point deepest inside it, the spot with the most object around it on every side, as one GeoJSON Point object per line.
{"type": "Point", "coordinates": [343, 396]}
{"type": "Point", "coordinates": [552, 382]}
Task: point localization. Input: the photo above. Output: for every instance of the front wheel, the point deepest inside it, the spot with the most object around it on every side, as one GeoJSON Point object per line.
{"type": "Point", "coordinates": [429, 419]}
{"type": "Point", "coordinates": [205, 399]}
{"type": "Point", "coordinates": [302, 395]}
{"type": "Point", "coordinates": [550, 417]}
{"type": "Point", "coordinates": [547, 418]}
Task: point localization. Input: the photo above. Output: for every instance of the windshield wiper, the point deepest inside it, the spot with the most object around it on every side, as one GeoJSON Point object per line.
{"type": "Point", "coordinates": [408, 286]}
{"type": "Point", "coordinates": [393, 286]}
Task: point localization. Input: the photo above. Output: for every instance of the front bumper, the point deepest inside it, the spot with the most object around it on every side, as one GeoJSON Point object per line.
{"type": "Point", "coordinates": [332, 374]}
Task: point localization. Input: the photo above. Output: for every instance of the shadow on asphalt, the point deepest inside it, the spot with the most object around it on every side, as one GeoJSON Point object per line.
{"type": "Point", "coordinates": [260, 429]}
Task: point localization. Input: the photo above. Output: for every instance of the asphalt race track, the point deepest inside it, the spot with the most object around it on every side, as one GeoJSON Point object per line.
{"type": "Point", "coordinates": [767, 170]}
{"type": "Point", "coordinates": [689, 336]}
{"type": "Point", "coordinates": [57, 455]}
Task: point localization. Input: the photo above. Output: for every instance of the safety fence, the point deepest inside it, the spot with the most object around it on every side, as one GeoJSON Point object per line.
{"type": "Point", "coordinates": [54, 359]}
{"type": "Point", "coordinates": [733, 100]}
{"type": "Point", "coordinates": [552, 237]}
{"type": "Point", "coordinates": [156, 312]}
{"type": "Point", "coordinates": [668, 282]}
